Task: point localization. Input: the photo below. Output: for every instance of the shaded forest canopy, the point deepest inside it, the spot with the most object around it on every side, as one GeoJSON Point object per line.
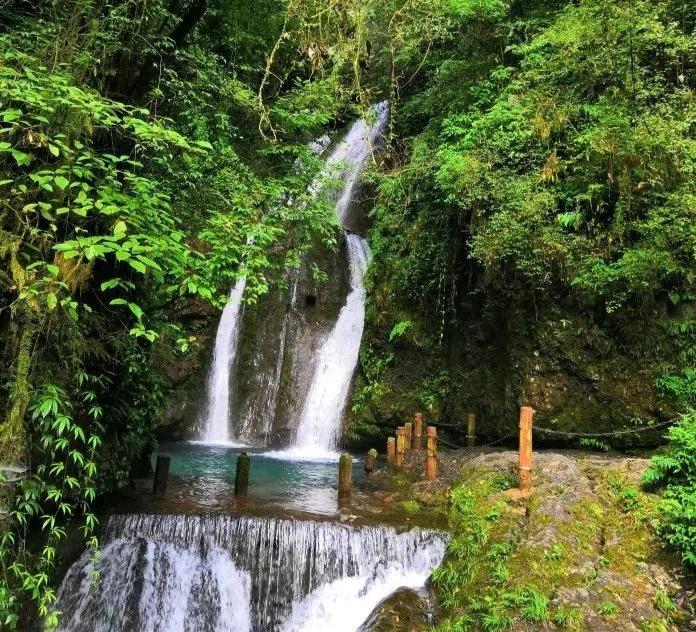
{"type": "Point", "coordinates": [533, 225]}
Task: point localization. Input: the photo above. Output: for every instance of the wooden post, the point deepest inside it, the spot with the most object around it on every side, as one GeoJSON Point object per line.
{"type": "Point", "coordinates": [400, 440]}
{"type": "Point", "coordinates": [408, 427]}
{"type": "Point", "coordinates": [525, 470]}
{"type": "Point", "coordinates": [345, 476]}
{"type": "Point", "coordinates": [471, 430]}
{"type": "Point", "coordinates": [391, 451]}
{"type": "Point", "coordinates": [159, 486]}
{"type": "Point", "coordinates": [370, 459]}
{"type": "Point", "coordinates": [431, 457]}
{"type": "Point", "coordinates": [418, 431]}
{"type": "Point", "coordinates": [241, 477]}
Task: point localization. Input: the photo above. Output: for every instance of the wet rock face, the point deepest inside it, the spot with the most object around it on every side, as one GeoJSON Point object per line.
{"type": "Point", "coordinates": [187, 372]}
{"type": "Point", "coordinates": [579, 377]}
{"type": "Point", "coordinates": [273, 368]}
{"type": "Point", "coordinates": [279, 339]}
{"type": "Point", "coordinates": [405, 610]}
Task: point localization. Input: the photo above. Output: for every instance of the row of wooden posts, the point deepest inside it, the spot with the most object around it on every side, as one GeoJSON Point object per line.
{"type": "Point", "coordinates": [408, 437]}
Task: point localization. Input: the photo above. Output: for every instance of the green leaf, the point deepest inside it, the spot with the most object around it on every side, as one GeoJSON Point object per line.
{"type": "Point", "coordinates": [110, 284]}
{"type": "Point", "coordinates": [120, 228]}
{"type": "Point", "coordinates": [137, 265]}
{"type": "Point", "coordinates": [137, 311]}
{"type": "Point", "coordinates": [21, 158]}
{"type": "Point", "coordinates": [10, 116]}
{"type": "Point", "coordinates": [61, 182]}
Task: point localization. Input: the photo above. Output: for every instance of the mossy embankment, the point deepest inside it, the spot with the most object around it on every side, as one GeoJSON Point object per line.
{"type": "Point", "coordinates": [579, 554]}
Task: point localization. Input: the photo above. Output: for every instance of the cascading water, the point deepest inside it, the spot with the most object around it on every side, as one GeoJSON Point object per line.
{"type": "Point", "coordinates": [233, 574]}
{"type": "Point", "coordinates": [216, 421]}
{"type": "Point", "coordinates": [320, 422]}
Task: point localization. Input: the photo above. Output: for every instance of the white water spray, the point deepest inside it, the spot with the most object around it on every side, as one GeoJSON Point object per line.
{"type": "Point", "coordinates": [241, 574]}
{"type": "Point", "coordinates": [320, 421]}
{"type": "Point", "coordinates": [216, 422]}
{"type": "Point", "coordinates": [337, 357]}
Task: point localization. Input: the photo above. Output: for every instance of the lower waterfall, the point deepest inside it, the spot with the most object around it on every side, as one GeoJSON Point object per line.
{"type": "Point", "coordinates": [241, 574]}
{"type": "Point", "coordinates": [320, 422]}
{"type": "Point", "coordinates": [216, 421]}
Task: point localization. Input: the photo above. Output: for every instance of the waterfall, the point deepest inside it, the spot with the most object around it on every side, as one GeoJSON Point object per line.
{"type": "Point", "coordinates": [320, 392]}
{"type": "Point", "coordinates": [216, 423]}
{"type": "Point", "coordinates": [241, 574]}
{"type": "Point", "coordinates": [320, 422]}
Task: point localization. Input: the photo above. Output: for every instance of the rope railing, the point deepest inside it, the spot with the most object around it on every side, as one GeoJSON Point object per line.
{"type": "Point", "coordinates": [591, 435]}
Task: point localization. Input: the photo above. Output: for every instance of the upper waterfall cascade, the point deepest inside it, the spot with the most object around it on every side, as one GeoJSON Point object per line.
{"type": "Point", "coordinates": [241, 574]}
{"type": "Point", "coordinates": [318, 419]}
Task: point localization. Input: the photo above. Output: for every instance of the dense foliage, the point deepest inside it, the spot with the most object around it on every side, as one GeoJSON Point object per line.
{"type": "Point", "coordinates": [146, 153]}
{"type": "Point", "coordinates": [540, 177]}
{"type": "Point", "coordinates": [675, 472]}
{"type": "Point", "coordinates": [540, 192]}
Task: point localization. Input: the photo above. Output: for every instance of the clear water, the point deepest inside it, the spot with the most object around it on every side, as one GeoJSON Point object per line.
{"type": "Point", "coordinates": [207, 476]}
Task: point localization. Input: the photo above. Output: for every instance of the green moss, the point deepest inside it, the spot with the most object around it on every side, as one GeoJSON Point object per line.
{"type": "Point", "coordinates": [12, 431]}
{"type": "Point", "coordinates": [496, 571]}
{"type": "Point", "coordinates": [409, 506]}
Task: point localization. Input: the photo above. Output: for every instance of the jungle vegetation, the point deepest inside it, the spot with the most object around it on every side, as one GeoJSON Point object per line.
{"type": "Point", "coordinates": [540, 154]}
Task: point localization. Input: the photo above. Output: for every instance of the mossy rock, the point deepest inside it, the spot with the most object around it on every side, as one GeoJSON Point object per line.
{"type": "Point", "coordinates": [405, 610]}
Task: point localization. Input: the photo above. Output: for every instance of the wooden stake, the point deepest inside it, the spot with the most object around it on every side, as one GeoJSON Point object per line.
{"type": "Point", "coordinates": [408, 427]}
{"type": "Point", "coordinates": [525, 469]}
{"type": "Point", "coordinates": [418, 431]}
{"type": "Point", "coordinates": [391, 450]}
{"type": "Point", "coordinates": [471, 430]}
{"type": "Point", "coordinates": [241, 477]}
{"type": "Point", "coordinates": [159, 485]}
{"type": "Point", "coordinates": [400, 448]}
{"type": "Point", "coordinates": [370, 459]}
{"type": "Point", "coordinates": [431, 457]}
{"type": "Point", "coordinates": [345, 476]}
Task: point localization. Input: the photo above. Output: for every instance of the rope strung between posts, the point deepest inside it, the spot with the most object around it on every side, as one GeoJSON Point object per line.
{"type": "Point", "coordinates": [616, 433]}
{"type": "Point", "coordinates": [483, 445]}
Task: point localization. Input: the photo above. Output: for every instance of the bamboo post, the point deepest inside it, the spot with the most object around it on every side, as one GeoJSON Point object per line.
{"type": "Point", "coordinates": [345, 476]}
{"type": "Point", "coordinates": [418, 431]}
{"type": "Point", "coordinates": [408, 427]}
{"type": "Point", "coordinates": [525, 469]}
{"type": "Point", "coordinates": [241, 477]}
{"type": "Point", "coordinates": [391, 451]}
{"type": "Point", "coordinates": [159, 485]}
{"type": "Point", "coordinates": [431, 458]}
{"type": "Point", "coordinates": [471, 430]}
{"type": "Point", "coordinates": [400, 450]}
{"type": "Point", "coordinates": [370, 459]}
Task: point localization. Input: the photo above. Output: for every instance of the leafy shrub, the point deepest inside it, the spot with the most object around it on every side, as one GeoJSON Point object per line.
{"type": "Point", "coordinates": [675, 472]}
